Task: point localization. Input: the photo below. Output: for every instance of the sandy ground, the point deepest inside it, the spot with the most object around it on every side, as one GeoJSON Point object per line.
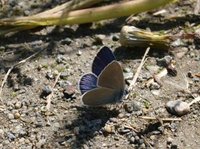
{"type": "Point", "coordinates": [70, 50]}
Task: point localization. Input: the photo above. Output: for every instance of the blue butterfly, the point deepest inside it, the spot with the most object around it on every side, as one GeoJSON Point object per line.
{"type": "Point", "coordinates": [105, 85]}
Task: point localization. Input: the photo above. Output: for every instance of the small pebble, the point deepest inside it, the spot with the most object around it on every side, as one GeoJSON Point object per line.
{"type": "Point", "coordinates": [85, 146]}
{"type": "Point", "coordinates": [182, 52]}
{"type": "Point", "coordinates": [79, 53]}
{"type": "Point", "coordinates": [61, 59]}
{"type": "Point", "coordinates": [127, 69]}
{"type": "Point", "coordinates": [46, 91]}
{"type": "Point", "coordinates": [108, 129]}
{"type": "Point", "coordinates": [18, 105]}
{"type": "Point", "coordinates": [169, 140]}
{"type": "Point", "coordinates": [152, 137]}
{"type": "Point", "coordinates": [128, 75]}
{"type": "Point", "coordinates": [115, 37]}
{"type": "Point", "coordinates": [16, 87]}
{"type": "Point", "coordinates": [137, 138]}
{"type": "Point", "coordinates": [156, 132]}
{"type": "Point", "coordinates": [64, 75]}
{"type": "Point", "coordinates": [21, 140]}
{"type": "Point", "coordinates": [49, 75]}
{"type": "Point", "coordinates": [190, 75]}
{"type": "Point", "coordinates": [10, 116]}
{"type": "Point", "coordinates": [66, 41]}
{"type": "Point", "coordinates": [154, 86]}
{"type": "Point", "coordinates": [132, 107]}
{"type": "Point", "coordinates": [11, 136]}
{"type": "Point", "coordinates": [142, 146]}
{"type": "Point", "coordinates": [152, 68]}
{"type": "Point", "coordinates": [155, 92]}
{"type": "Point", "coordinates": [123, 130]}
{"type": "Point", "coordinates": [99, 39]}
{"type": "Point", "coordinates": [177, 43]}
{"type": "Point", "coordinates": [178, 107]}
{"type": "Point", "coordinates": [17, 115]}
{"type": "Point", "coordinates": [121, 115]}
{"type": "Point", "coordinates": [69, 91]}
{"type": "Point", "coordinates": [165, 61]}
{"type": "Point", "coordinates": [132, 140]}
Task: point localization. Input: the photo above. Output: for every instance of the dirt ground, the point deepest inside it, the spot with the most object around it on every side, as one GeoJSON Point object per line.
{"type": "Point", "coordinates": [25, 121]}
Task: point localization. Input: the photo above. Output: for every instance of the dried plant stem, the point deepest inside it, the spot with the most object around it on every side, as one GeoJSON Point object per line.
{"type": "Point", "coordinates": [197, 99]}
{"type": "Point", "coordinates": [162, 119]}
{"type": "Point", "coordinates": [137, 72]}
{"type": "Point", "coordinates": [130, 36]}
{"type": "Point", "coordinates": [51, 95]}
{"type": "Point", "coordinates": [88, 15]}
{"type": "Point", "coordinates": [59, 10]}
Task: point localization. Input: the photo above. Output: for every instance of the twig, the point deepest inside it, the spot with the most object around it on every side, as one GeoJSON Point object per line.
{"type": "Point", "coordinates": [197, 75]}
{"type": "Point", "coordinates": [162, 119]}
{"type": "Point", "coordinates": [146, 142]}
{"type": "Point", "coordinates": [197, 99]}
{"type": "Point", "coordinates": [15, 65]}
{"type": "Point", "coordinates": [51, 95]}
{"type": "Point", "coordinates": [137, 131]}
{"type": "Point", "coordinates": [132, 84]}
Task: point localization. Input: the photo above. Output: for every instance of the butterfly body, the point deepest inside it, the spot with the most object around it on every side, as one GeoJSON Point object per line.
{"type": "Point", "coordinates": [105, 85]}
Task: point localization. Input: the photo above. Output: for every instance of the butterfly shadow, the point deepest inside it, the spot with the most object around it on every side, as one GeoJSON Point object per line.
{"type": "Point", "coordinates": [88, 124]}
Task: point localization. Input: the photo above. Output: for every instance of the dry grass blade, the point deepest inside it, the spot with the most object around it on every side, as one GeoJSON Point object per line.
{"type": "Point", "coordinates": [51, 95]}
{"type": "Point", "coordinates": [86, 15]}
{"type": "Point", "coordinates": [162, 119]}
{"type": "Point", "coordinates": [197, 99]}
{"type": "Point", "coordinates": [137, 72]}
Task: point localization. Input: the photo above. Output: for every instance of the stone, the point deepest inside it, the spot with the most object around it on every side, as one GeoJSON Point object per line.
{"type": "Point", "coordinates": [10, 116]}
{"type": "Point", "coordinates": [46, 91]}
{"type": "Point", "coordinates": [108, 128]}
{"type": "Point", "coordinates": [178, 107]}
{"type": "Point", "coordinates": [18, 105]}
{"type": "Point", "coordinates": [132, 140]}
{"type": "Point", "coordinates": [17, 115]}
{"type": "Point", "coordinates": [69, 91]}
{"type": "Point", "coordinates": [11, 136]}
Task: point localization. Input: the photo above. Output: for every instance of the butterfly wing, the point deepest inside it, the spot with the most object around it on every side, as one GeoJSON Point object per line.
{"type": "Point", "coordinates": [109, 87]}
{"type": "Point", "coordinates": [103, 58]}
{"type": "Point", "coordinates": [99, 96]}
{"type": "Point", "coordinates": [87, 82]}
{"type": "Point", "coordinates": [112, 77]}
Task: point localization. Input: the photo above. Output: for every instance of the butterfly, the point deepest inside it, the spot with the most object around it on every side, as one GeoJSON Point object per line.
{"type": "Point", "coordinates": [105, 85]}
